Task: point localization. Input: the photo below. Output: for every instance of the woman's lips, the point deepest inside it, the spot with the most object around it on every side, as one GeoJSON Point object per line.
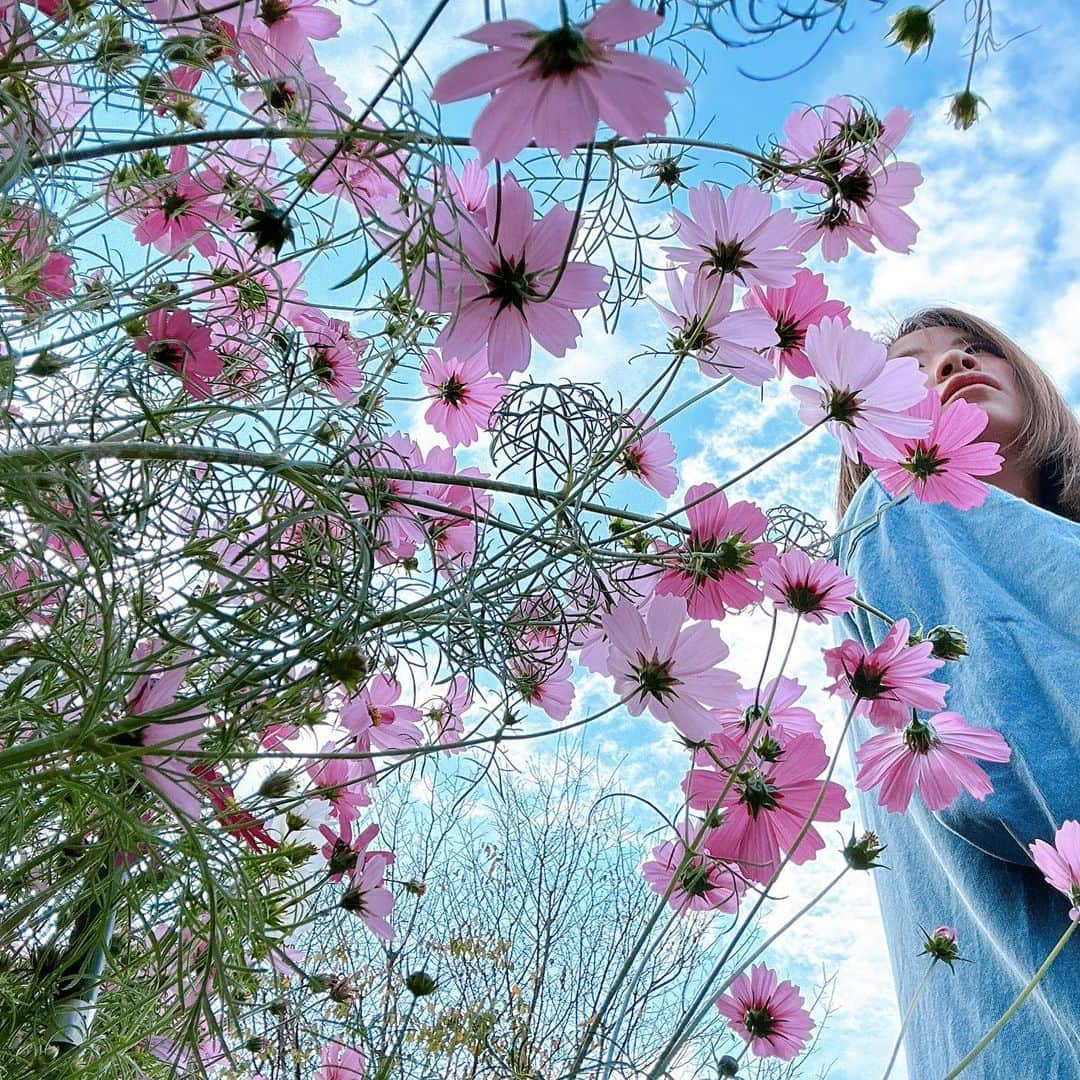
{"type": "Point", "coordinates": [962, 382]}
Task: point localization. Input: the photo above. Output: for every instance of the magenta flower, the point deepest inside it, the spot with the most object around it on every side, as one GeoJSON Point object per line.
{"type": "Point", "coordinates": [935, 756]}
{"type": "Point", "coordinates": [767, 804]}
{"type": "Point", "coordinates": [175, 342]}
{"type": "Point", "coordinates": [862, 394]}
{"type": "Point", "coordinates": [548, 688]}
{"type": "Point", "coordinates": [463, 396]}
{"type": "Point", "coordinates": [496, 288]}
{"type": "Point", "coordinates": [555, 86]}
{"type": "Point", "coordinates": [767, 1014]}
{"type": "Point", "coordinates": [794, 310]}
{"type": "Point", "coordinates": [737, 236]}
{"type": "Point", "coordinates": [782, 720]}
{"type": "Point", "coordinates": [376, 719]}
{"type": "Point", "coordinates": [702, 325]}
{"type": "Point", "coordinates": [867, 189]}
{"type": "Point", "coordinates": [703, 884]}
{"type": "Point", "coordinates": [941, 466]}
{"type": "Point", "coordinates": [817, 590]}
{"type": "Point", "coordinates": [890, 680]}
{"type": "Point", "coordinates": [657, 663]}
{"type": "Point", "coordinates": [717, 566]}
{"type": "Point", "coordinates": [647, 456]}
{"type": "Point", "coordinates": [178, 211]}
{"type": "Point", "coordinates": [1060, 863]}
{"type": "Point", "coordinates": [341, 1063]}
{"type": "Point", "coordinates": [333, 352]}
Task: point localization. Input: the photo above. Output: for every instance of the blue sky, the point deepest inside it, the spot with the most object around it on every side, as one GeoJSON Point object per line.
{"type": "Point", "coordinates": [1000, 234]}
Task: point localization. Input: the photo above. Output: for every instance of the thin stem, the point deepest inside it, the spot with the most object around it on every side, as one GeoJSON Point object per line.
{"type": "Point", "coordinates": [908, 1013]}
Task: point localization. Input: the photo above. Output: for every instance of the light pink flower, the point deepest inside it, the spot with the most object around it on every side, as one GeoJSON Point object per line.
{"type": "Point", "coordinates": [175, 342]}
{"type": "Point", "coordinates": [941, 466]}
{"type": "Point", "coordinates": [179, 210]}
{"type": "Point", "coordinates": [496, 287]}
{"type": "Point", "coordinates": [368, 896]}
{"type": "Point", "coordinates": [702, 325]}
{"type": "Point", "coordinates": [717, 566]}
{"type": "Point", "coordinates": [794, 310]}
{"type": "Point", "coordinates": [767, 1014]}
{"type": "Point", "coordinates": [376, 718]}
{"type": "Point", "coordinates": [1060, 864]}
{"type": "Point", "coordinates": [737, 236]}
{"type": "Point", "coordinates": [703, 884]}
{"type": "Point", "coordinates": [816, 590]}
{"type": "Point", "coordinates": [398, 531]}
{"type": "Point", "coordinates": [554, 86]}
{"type": "Point", "coordinates": [889, 680]}
{"type": "Point", "coordinates": [447, 713]}
{"type": "Point", "coordinates": [766, 805]}
{"type": "Point", "coordinates": [862, 392]}
{"type": "Point", "coordinates": [345, 855]}
{"type": "Point", "coordinates": [469, 189]}
{"type": "Point", "coordinates": [648, 457]}
{"type": "Point", "coordinates": [934, 756]}
{"type": "Point", "coordinates": [341, 782]}
{"type": "Point", "coordinates": [672, 670]}
{"type": "Point", "coordinates": [333, 352]}
{"type": "Point", "coordinates": [288, 26]}
{"type": "Point", "coordinates": [780, 721]}
{"type": "Point", "coordinates": [548, 688]}
{"type": "Point", "coordinates": [340, 1063]}
{"type": "Point", "coordinates": [463, 395]}
{"type": "Point", "coordinates": [867, 190]}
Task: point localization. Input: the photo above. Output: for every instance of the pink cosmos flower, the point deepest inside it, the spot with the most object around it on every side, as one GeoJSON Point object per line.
{"type": "Point", "coordinates": [175, 342]}
{"type": "Point", "coordinates": [794, 310]}
{"type": "Point", "coordinates": [469, 189]}
{"type": "Point", "coordinates": [767, 1014]}
{"type": "Point", "coordinates": [767, 805]}
{"type": "Point", "coordinates": [343, 853]}
{"type": "Point", "coordinates": [334, 353]}
{"type": "Point", "coordinates": [935, 756]}
{"type": "Point", "coordinates": [648, 456]}
{"type": "Point", "coordinates": [1060, 863]}
{"type": "Point", "coordinates": [717, 566]}
{"type": "Point", "coordinates": [816, 590]}
{"type": "Point", "coordinates": [376, 719]}
{"type": "Point", "coordinates": [447, 712]}
{"type": "Point", "coordinates": [288, 26]}
{"type": "Point", "coordinates": [178, 211]}
{"type": "Point", "coordinates": [554, 86]}
{"type": "Point", "coordinates": [867, 190]}
{"type": "Point", "coordinates": [863, 394]}
{"type": "Point", "coordinates": [263, 298]}
{"type": "Point", "coordinates": [398, 531]}
{"type": "Point", "coordinates": [703, 884]}
{"type": "Point", "coordinates": [772, 714]}
{"type": "Point", "coordinates": [657, 663]}
{"type": "Point", "coordinates": [341, 782]}
{"type": "Point", "coordinates": [496, 288]}
{"type": "Point", "coordinates": [941, 466]}
{"type": "Point", "coordinates": [463, 396]}
{"type": "Point", "coordinates": [183, 732]}
{"type": "Point", "coordinates": [723, 341]}
{"type": "Point", "coordinates": [368, 896]}
{"type": "Point", "coordinates": [889, 680]}
{"type": "Point", "coordinates": [340, 1063]}
{"type": "Point", "coordinates": [548, 688]}
{"type": "Point", "coordinates": [737, 236]}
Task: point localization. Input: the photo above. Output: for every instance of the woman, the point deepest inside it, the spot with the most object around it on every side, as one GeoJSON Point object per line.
{"type": "Point", "coordinates": [1006, 574]}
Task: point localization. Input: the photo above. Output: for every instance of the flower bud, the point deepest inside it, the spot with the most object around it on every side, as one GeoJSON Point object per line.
{"type": "Point", "coordinates": [964, 109]}
{"type": "Point", "coordinates": [48, 363]}
{"type": "Point", "coordinates": [728, 1066]}
{"type": "Point", "coordinates": [416, 888]}
{"type": "Point", "coordinates": [255, 1044]}
{"type": "Point", "coordinates": [949, 642]}
{"type": "Point", "coordinates": [269, 225]}
{"type": "Point", "coordinates": [276, 786]}
{"type": "Point", "coordinates": [341, 990]}
{"type": "Point", "coordinates": [861, 854]}
{"type": "Point", "coordinates": [913, 28]}
{"type": "Point", "coordinates": [278, 1007]}
{"type": "Point", "coordinates": [420, 984]}
{"type": "Point", "coordinates": [350, 666]}
{"type": "Point", "coordinates": [941, 945]}
{"type": "Point", "coordinates": [294, 822]}
{"type": "Point", "coordinates": [319, 984]}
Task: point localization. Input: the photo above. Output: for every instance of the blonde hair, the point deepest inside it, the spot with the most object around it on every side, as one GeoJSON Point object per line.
{"type": "Point", "coordinates": [1049, 439]}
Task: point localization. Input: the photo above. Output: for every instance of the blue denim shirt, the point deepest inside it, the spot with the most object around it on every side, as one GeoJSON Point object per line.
{"type": "Point", "coordinates": [1008, 575]}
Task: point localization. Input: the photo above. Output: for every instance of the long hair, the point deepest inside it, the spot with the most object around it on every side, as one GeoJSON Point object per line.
{"type": "Point", "coordinates": [1049, 441]}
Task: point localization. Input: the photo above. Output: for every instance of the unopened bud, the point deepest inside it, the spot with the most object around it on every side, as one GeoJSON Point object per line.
{"type": "Point", "coordinates": [861, 854]}
{"type": "Point", "coordinates": [728, 1066]}
{"type": "Point", "coordinates": [294, 821]}
{"type": "Point", "coordinates": [278, 1007]}
{"type": "Point", "coordinates": [276, 786]}
{"type": "Point", "coordinates": [913, 28]}
{"type": "Point", "coordinates": [341, 990]}
{"type": "Point", "coordinates": [255, 1044]}
{"type": "Point", "coordinates": [420, 984]}
{"type": "Point", "coordinates": [48, 363]}
{"type": "Point", "coordinates": [319, 984]}
{"type": "Point", "coordinates": [949, 642]}
{"type": "Point", "coordinates": [417, 888]}
{"type": "Point", "coordinates": [941, 945]}
{"type": "Point", "coordinates": [964, 109]}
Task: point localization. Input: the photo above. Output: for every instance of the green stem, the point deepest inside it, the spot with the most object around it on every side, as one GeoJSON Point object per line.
{"type": "Point", "coordinates": [907, 1019]}
{"type": "Point", "coordinates": [1024, 994]}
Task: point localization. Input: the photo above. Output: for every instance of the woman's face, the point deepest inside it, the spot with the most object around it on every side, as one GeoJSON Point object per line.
{"type": "Point", "coordinates": [958, 364]}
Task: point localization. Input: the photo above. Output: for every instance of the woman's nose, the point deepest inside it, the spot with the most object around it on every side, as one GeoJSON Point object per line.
{"type": "Point", "coordinates": [952, 361]}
